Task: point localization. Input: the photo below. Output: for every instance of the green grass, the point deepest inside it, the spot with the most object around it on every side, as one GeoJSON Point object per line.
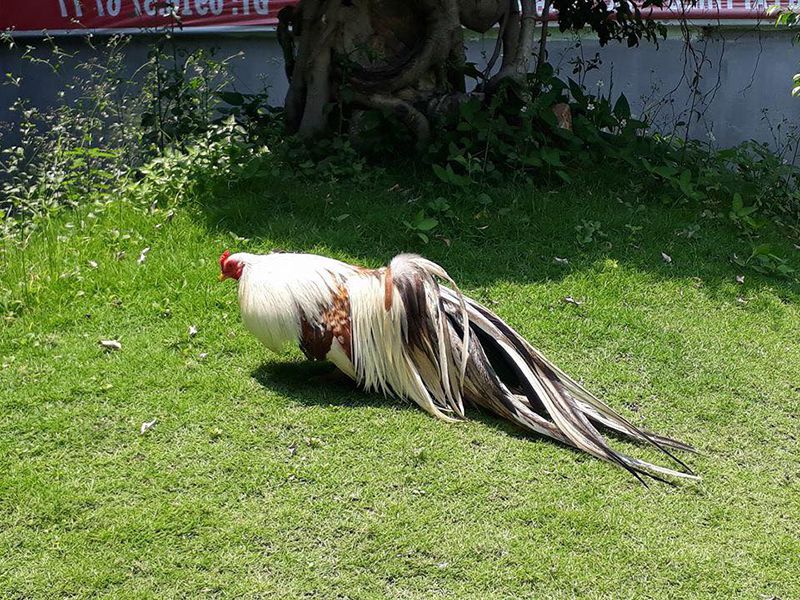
{"type": "Point", "coordinates": [260, 481]}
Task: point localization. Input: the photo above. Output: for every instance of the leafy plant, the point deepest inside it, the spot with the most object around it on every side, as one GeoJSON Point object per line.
{"type": "Point", "coordinates": [589, 231]}
{"type": "Point", "coordinates": [788, 17]}
{"type": "Point", "coordinates": [222, 155]}
{"type": "Point", "coordinates": [184, 92]}
{"type": "Point", "coordinates": [107, 123]}
{"type": "Point", "coordinates": [744, 215]}
{"type": "Point", "coordinates": [251, 111]}
{"type": "Point", "coordinates": [328, 159]}
{"type": "Point", "coordinates": [690, 232]}
{"type": "Point", "coordinates": [764, 259]}
{"type": "Point", "coordinates": [441, 206]}
{"type": "Point", "coordinates": [422, 225]}
{"type": "Point", "coordinates": [76, 150]}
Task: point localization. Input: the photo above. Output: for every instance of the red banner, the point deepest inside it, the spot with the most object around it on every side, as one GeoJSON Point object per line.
{"type": "Point", "coordinates": [134, 16]}
{"type": "Point", "coordinates": [59, 16]}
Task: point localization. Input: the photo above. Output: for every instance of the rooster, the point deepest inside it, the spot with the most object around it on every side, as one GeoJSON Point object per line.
{"type": "Point", "coordinates": [399, 331]}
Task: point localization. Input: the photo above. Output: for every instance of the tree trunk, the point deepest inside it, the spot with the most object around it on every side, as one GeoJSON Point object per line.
{"type": "Point", "coordinates": [400, 56]}
{"type": "Point", "coordinates": [516, 66]}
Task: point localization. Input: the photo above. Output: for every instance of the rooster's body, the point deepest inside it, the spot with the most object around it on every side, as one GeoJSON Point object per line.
{"type": "Point", "coordinates": [398, 331]}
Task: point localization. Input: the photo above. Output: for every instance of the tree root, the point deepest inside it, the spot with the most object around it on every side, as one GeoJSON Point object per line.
{"type": "Point", "coordinates": [412, 118]}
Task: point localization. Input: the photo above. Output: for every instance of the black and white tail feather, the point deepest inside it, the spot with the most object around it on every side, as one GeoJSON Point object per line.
{"type": "Point", "coordinates": [534, 393]}
{"type": "Point", "coordinates": [415, 338]}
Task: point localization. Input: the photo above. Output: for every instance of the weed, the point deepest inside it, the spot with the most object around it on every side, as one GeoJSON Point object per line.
{"type": "Point", "coordinates": [422, 225]}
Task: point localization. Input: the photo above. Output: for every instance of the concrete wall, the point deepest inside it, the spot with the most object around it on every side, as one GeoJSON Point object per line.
{"type": "Point", "coordinates": [746, 79]}
{"type": "Point", "coordinates": [746, 74]}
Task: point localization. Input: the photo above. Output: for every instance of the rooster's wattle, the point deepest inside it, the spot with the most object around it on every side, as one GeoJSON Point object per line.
{"type": "Point", "coordinates": [399, 331]}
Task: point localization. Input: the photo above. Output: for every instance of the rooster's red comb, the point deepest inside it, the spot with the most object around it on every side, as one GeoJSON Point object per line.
{"type": "Point", "coordinates": [224, 257]}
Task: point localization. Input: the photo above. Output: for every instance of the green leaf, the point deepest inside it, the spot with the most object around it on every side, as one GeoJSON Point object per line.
{"type": "Point", "coordinates": [762, 250]}
{"type": "Point", "coordinates": [685, 184]}
{"type": "Point", "coordinates": [564, 176]}
{"type": "Point", "coordinates": [552, 156]}
{"type": "Point", "coordinates": [426, 224]}
{"type": "Point", "coordinates": [234, 98]}
{"type": "Point", "coordinates": [531, 161]}
{"type": "Point", "coordinates": [749, 210]}
{"type": "Point", "coordinates": [666, 171]}
{"type": "Point", "coordinates": [577, 91]}
{"type": "Point", "coordinates": [441, 173]}
{"type": "Point", "coordinates": [622, 109]}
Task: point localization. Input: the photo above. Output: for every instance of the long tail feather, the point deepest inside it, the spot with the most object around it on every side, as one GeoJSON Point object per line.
{"type": "Point", "coordinates": [564, 409]}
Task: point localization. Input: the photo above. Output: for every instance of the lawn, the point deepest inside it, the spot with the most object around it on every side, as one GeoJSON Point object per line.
{"type": "Point", "coordinates": [259, 479]}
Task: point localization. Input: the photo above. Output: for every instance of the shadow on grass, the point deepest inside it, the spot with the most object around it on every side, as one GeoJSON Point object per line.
{"type": "Point", "coordinates": [322, 384]}
{"type": "Point", "coordinates": [317, 384]}
{"type": "Point", "coordinates": [515, 238]}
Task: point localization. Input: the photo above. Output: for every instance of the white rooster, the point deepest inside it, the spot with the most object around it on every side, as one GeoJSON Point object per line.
{"type": "Point", "coordinates": [399, 331]}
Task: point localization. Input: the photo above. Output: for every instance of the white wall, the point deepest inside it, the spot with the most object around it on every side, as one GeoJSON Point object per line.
{"type": "Point", "coordinates": [745, 72]}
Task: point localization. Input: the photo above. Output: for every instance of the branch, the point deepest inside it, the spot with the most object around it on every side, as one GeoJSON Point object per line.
{"type": "Point", "coordinates": [540, 60]}
{"type": "Point", "coordinates": [286, 17]}
{"type": "Point", "coordinates": [528, 21]}
{"type": "Point", "coordinates": [516, 67]}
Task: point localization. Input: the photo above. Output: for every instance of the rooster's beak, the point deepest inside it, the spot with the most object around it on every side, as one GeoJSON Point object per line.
{"type": "Point", "coordinates": [222, 277]}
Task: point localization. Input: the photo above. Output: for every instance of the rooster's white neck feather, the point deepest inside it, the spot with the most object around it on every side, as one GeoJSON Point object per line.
{"type": "Point", "coordinates": [277, 290]}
